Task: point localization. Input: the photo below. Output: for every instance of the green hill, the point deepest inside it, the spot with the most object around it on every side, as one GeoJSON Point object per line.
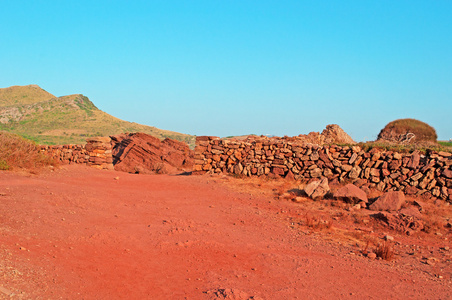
{"type": "Point", "coordinates": [35, 114]}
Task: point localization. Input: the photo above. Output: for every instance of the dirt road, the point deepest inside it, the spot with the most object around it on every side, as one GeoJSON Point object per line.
{"type": "Point", "coordinates": [80, 233]}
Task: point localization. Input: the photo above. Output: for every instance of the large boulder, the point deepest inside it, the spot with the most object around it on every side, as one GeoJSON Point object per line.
{"type": "Point", "coordinates": [143, 153]}
{"type": "Point", "coordinates": [389, 201]}
{"type": "Point", "coordinates": [350, 193]}
{"type": "Point", "coordinates": [317, 189]}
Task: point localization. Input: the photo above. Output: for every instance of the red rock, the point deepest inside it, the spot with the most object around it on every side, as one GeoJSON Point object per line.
{"type": "Point", "coordinates": [414, 160]}
{"type": "Point", "coordinates": [395, 164]}
{"type": "Point", "coordinates": [142, 153]}
{"type": "Point", "coordinates": [290, 176]}
{"type": "Point", "coordinates": [411, 190]}
{"type": "Point", "coordinates": [317, 189]}
{"type": "Point", "coordinates": [278, 171]}
{"type": "Point", "coordinates": [389, 201]}
{"type": "Point", "coordinates": [351, 193]}
{"type": "Point", "coordinates": [411, 212]}
{"type": "Point", "coordinates": [447, 173]}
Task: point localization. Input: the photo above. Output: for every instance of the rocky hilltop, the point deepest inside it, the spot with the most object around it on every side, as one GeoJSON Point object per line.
{"type": "Point", "coordinates": [36, 114]}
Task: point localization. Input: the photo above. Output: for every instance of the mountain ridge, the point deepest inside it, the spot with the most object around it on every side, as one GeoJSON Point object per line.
{"type": "Point", "coordinates": [35, 114]}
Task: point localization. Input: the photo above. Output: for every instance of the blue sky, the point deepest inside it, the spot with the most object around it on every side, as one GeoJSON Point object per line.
{"type": "Point", "coordinates": [239, 67]}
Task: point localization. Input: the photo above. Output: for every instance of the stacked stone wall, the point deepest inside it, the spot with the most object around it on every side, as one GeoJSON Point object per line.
{"type": "Point", "coordinates": [67, 154]}
{"type": "Point", "coordinates": [96, 153]}
{"type": "Point", "coordinates": [413, 173]}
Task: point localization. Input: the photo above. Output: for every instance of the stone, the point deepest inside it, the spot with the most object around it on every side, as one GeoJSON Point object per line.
{"type": "Point", "coordinates": [238, 169]}
{"type": "Point", "coordinates": [316, 172]}
{"type": "Point", "coordinates": [290, 176]}
{"type": "Point", "coordinates": [354, 172]}
{"type": "Point", "coordinates": [388, 238]}
{"type": "Point", "coordinates": [411, 212]}
{"type": "Point", "coordinates": [414, 160]}
{"type": "Point", "coordinates": [350, 193]}
{"type": "Point", "coordinates": [346, 168]}
{"type": "Point", "coordinates": [278, 171]}
{"type": "Point", "coordinates": [317, 189]}
{"type": "Point", "coordinates": [447, 173]}
{"type": "Point", "coordinates": [444, 154]}
{"type": "Point", "coordinates": [395, 164]}
{"type": "Point", "coordinates": [371, 255]}
{"type": "Point", "coordinates": [389, 201]}
{"type": "Point", "coordinates": [411, 190]}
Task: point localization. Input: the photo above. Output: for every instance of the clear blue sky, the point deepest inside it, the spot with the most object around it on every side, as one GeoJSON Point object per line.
{"type": "Point", "coordinates": [239, 67]}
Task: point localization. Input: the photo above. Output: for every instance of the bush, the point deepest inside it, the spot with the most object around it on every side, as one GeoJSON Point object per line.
{"type": "Point", "coordinates": [399, 130]}
{"type": "Point", "coordinates": [17, 152]}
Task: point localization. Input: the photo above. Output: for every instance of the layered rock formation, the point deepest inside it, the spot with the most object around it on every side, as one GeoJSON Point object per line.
{"type": "Point", "coordinates": [145, 154]}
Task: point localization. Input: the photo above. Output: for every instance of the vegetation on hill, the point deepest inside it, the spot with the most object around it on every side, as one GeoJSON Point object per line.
{"type": "Point", "coordinates": [17, 152]}
{"type": "Point", "coordinates": [398, 130]}
{"type": "Point", "coordinates": [65, 120]}
{"type": "Point", "coordinates": [20, 95]}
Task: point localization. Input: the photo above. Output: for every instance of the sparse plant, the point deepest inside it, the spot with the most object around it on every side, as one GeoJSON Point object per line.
{"type": "Point", "coordinates": [365, 251]}
{"type": "Point", "coordinates": [317, 222]}
{"type": "Point", "coordinates": [385, 251]}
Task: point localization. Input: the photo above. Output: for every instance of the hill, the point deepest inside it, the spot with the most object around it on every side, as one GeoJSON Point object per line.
{"type": "Point", "coordinates": [19, 95]}
{"type": "Point", "coordinates": [33, 113]}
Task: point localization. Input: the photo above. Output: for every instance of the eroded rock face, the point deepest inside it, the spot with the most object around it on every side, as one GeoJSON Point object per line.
{"type": "Point", "coordinates": [143, 153]}
{"type": "Point", "coordinates": [390, 201]}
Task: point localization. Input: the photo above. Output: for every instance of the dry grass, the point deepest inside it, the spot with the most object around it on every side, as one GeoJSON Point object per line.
{"type": "Point", "coordinates": [317, 222]}
{"type": "Point", "coordinates": [19, 153]}
{"type": "Point", "coordinates": [385, 251]}
{"type": "Point", "coordinates": [434, 217]}
{"type": "Point", "coordinates": [23, 94]}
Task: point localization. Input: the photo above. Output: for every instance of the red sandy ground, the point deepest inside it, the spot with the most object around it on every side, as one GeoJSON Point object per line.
{"type": "Point", "coordinates": [81, 233]}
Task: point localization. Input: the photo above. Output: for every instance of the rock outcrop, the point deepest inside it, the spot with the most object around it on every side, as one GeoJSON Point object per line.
{"type": "Point", "coordinates": [145, 154]}
{"type": "Point", "coordinates": [333, 134]}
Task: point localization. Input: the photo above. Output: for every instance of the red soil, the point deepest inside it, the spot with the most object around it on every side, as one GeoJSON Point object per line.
{"type": "Point", "coordinates": [80, 233]}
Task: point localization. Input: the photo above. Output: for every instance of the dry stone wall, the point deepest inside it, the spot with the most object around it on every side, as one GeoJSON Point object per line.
{"type": "Point", "coordinates": [96, 153]}
{"type": "Point", "coordinates": [415, 174]}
